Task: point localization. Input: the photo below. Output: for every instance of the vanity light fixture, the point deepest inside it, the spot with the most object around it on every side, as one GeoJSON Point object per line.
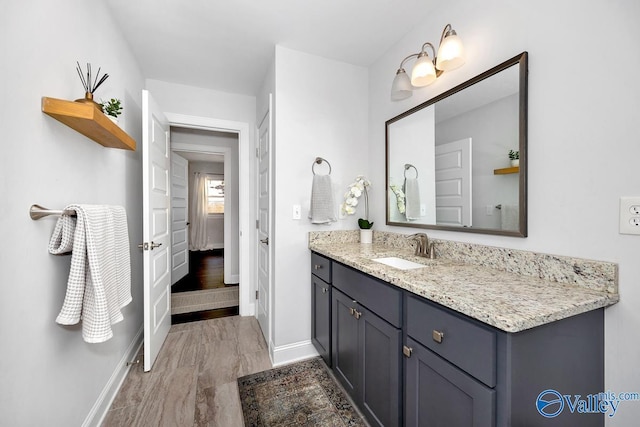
{"type": "Point", "coordinates": [426, 70]}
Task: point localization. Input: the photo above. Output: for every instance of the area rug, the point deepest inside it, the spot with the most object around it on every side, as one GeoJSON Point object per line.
{"type": "Point", "coordinates": [209, 299]}
{"type": "Point", "coordinates": [300, 394]}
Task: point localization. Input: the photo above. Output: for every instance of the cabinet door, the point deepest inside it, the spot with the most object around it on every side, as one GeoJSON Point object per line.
{"type": "Point", "coordinates": [344, 333]}
{"type": "Point", "coordinates": [438, 394]}
{"type": "Point", "coordinates": [380, 363]}
{"type": "Point", "coordinates": [321, 318]}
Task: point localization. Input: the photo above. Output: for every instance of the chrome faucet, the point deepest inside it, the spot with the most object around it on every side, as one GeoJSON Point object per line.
{"type": "Point", "coordinates": [423, 247]}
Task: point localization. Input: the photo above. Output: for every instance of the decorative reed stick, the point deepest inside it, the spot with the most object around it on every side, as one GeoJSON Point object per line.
{"type": "Point", "coordinates": [86, 82]}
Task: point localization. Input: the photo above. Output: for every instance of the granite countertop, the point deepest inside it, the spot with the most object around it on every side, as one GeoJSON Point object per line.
{"type": "Point", "coordinates": [506, 300]}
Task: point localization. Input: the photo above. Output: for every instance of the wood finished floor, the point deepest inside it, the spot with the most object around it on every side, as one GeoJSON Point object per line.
{"type": "Point", "coordinates": [194, 379]}
{"type": "Point", "coordinates": [206, 271]}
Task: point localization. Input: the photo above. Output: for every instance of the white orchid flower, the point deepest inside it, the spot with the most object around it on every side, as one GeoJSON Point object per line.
{"type": "Point", "coordinates": [356, 192]}
{"type": "Point", "coordinates": [351, 201]}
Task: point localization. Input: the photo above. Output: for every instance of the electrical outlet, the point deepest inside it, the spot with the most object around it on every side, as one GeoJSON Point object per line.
{"type": "Point", "coordinates": [489, 210]}
{"type": "Point", "coordinates": [296, 211]}
{"type": "Point", "coordinates": [629, 215]}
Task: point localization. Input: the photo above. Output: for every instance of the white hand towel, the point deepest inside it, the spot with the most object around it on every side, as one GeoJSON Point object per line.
{"type": "Point", "coordinates": [412, 199]}
{"type": "Point", "coordinates": [509, 217]}
{"type": "Point", "coordinates": [321, 209]}
{"type": "Point", "coordinates": [99, 283]}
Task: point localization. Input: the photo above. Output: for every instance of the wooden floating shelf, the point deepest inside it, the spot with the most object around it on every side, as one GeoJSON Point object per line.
{"type": "Point", "coordinates": [89, 121]}
{"type": "Point", "coordinates": [505, 171]}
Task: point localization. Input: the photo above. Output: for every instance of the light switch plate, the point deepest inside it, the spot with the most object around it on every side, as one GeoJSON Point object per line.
{"type": "Point", "coordinates": [297, 211]}
{"type": "Point", "coordinates": [630, 215]}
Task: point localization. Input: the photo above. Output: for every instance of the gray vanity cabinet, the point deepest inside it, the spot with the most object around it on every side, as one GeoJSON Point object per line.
{"type": "Point", "coordinates": [461, 372]}
{"type": "Point", "coordinates": [366, 343]}
{"type": "Point", "coordinates": [450, 369]}
{"type": "Point", "coordinates": [321, 306]}
{"type": "Point", "coordinates": [456, 371]}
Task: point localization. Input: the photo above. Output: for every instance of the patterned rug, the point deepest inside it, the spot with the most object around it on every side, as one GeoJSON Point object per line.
{"type": "Point", "coordinates": [300, 394]}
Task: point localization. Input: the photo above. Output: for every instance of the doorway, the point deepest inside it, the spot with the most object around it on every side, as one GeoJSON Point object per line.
{"type": "Point", "coordinates": [246, 233]}
{"type": "Point", "coordinates": [205, 281]}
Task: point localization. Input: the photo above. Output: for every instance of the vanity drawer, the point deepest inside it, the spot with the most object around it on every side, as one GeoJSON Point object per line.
{"type": "Point", "coordinates": [462, 342]}
{"type": "Point", "coordinates": [321, 267]}
{"type": "Point", "coordinates": [379, 297]}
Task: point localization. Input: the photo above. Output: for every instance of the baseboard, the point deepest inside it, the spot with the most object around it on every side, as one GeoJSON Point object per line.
{"type": "Point", "coordinates": [101, 407]}
{"type": "Point", "coordinates": [285, 354]}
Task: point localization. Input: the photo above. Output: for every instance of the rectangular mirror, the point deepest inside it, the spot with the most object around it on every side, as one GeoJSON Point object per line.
{"type": "Point", "coordinates": [448, 160]}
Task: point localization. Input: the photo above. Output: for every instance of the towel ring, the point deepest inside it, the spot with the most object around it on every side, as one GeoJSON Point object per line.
{"type": "Point", "coordinates": [407, 167]}
{"type": "Point", "coordinates": [318, 161]}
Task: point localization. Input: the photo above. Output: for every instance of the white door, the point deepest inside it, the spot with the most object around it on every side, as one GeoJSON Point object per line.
{"type": "Point", "coordinates": [179, 215]}
{"type": "Point", "coordinates": [156, 222]}
{"type": "Point", "coordinates": [264, 208]}
{"type": "Point", "coordinates": [453, 183]}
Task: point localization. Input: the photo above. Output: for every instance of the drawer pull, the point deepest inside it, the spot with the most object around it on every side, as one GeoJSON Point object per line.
{"type": "Point", "coordinates": [437, 336]}
{"type": "Point", "coordinates": [324, 290]}
{"type": "Point", "coordinates": [352, 311]}
{"type": "Point", "coordinates": [317, 266]}
{"type": "Point", "coordinates": [357, 314]}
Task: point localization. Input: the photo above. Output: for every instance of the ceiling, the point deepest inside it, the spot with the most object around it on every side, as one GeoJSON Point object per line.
{"type": "Point", "coordinates": [229, 45]}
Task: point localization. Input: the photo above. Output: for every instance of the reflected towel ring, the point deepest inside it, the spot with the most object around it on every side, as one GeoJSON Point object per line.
{"type": "Point", "coordinates": [318, 161]}
{"type": "Point", "coordinates": [407, 167]}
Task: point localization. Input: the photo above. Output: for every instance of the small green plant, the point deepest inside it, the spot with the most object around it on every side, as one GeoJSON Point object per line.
{"type": "Point", "coordinates": [112, 108]}
{"type": "Point", "coordinates": [365, 224]}
{"type": "Point", "coordinates": [514, 155]}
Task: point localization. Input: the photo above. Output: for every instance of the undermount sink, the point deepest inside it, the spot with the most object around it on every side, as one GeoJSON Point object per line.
{"type": "Point", "coordinates": [399, 263]}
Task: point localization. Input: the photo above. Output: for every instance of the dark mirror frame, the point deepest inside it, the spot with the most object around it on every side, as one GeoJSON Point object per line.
{"type": "Point", "coordinates": [522, 61]}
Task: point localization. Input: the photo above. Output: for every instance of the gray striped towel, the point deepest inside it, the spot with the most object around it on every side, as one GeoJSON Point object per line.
{"type": "Point", "coordinates": [99, 283]}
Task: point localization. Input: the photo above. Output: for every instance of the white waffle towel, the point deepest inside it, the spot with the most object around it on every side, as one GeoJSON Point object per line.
{"type": "Point", "coordinates": [99, 283]}
{"type": "Point", "coordinates": [412, 199]}
{"type": "Point", "coordinates": [510, 217]}
{"type": "Point", "coordinates": [321, 210]}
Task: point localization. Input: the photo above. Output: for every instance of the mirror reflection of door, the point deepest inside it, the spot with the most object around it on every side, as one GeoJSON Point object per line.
{"type": "Point", "coordinates": [454, 183]}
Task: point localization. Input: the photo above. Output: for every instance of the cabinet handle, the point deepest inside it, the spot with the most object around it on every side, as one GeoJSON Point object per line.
{"type": "Point", "coordinates": [324, 290]}
{"type": "Point", "coordinates": [437, 336]}
{"type": "Point", "coordinates": [317, 266]}
{"type": "Point", "coordinates": [407, 350]}
{"type": "Point", "coordinates": [357, 314]}
{"type": "Point", "coordinates": [352, 311]}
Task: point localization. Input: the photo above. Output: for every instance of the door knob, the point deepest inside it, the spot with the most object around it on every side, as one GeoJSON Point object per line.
{"type": "Point", "coordinates": [265, 240]}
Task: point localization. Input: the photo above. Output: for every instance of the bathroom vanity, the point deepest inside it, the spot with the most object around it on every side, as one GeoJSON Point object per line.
{"type": "Point", "coordinates": [456, 343]}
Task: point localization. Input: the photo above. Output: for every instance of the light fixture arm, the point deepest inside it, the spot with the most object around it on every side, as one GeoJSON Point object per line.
{"type": "Point", "coordinates": [433, 50]}
{"type": "Point", "coordinates": [447, 31]}
{"type": "Point", "coordinates": [401, 67]}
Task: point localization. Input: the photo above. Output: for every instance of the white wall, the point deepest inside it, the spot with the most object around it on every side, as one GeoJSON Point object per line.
{"type": "Point", "coordinates": [583, 144]}
{"type": "Point", "coordinates": [321, 110]}
{"type": "Point", "coordinates": [50, 376]}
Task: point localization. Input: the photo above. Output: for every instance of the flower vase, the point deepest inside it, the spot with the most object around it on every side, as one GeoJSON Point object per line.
{"type": "Point", "coordinates": [366, 236]}
{"type": "Point", "coordinates": [515, 163]}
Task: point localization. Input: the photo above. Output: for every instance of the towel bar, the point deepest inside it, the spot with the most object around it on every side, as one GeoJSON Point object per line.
{"type": "Point", "coordinates": [36, 212]}
{"type": "Point", "coordinates": [318, 161]}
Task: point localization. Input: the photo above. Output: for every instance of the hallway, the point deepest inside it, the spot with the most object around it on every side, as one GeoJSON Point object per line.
{"type": "Point", "coordinates": [193, 382]}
